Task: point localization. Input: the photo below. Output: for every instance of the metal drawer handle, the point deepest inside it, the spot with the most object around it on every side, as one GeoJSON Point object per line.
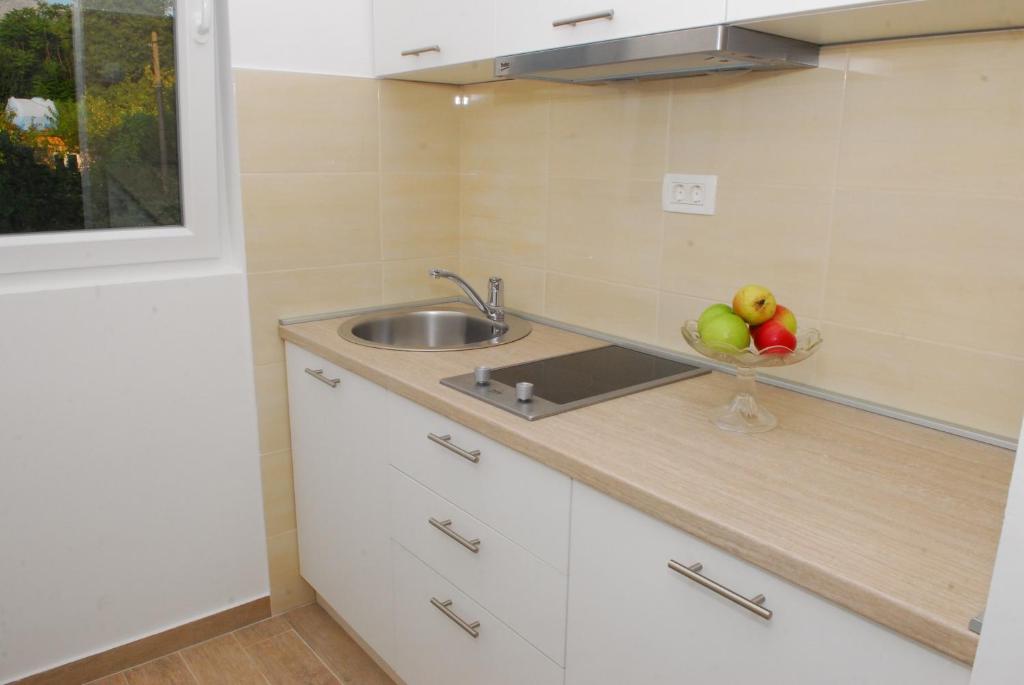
{"type": "Point", "coordinates": [572, 21]}
{"type": "Point", "coordinates": [752, 605]}
{"type": "Point", "coordinates": [446, 442]}
{"type": "Point", "coordinates": [446, 528]}
{"type": "Point", "coordinates": [445, 608]}
{"type": "Point", "coordinates": [416, 52]}
{"type": "Point", "coordinates": [319, 375]}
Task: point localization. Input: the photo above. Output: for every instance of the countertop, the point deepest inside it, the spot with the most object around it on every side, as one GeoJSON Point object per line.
{"type": "Point", "coordinates": [893, 521]}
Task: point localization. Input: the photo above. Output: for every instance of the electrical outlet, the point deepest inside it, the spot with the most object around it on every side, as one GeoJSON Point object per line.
{"type": "Point", "coordinates": [688, 193]}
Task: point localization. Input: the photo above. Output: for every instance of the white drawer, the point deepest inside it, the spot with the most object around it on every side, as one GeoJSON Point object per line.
{"type": "Point", "coordinates": [632, 619]}
{"type": "Point", "coordinates": [520, 498]}
{"type": "Point", "coordinates": [432, 649]}
{"type": "Point", "coordinates": [518, 587]}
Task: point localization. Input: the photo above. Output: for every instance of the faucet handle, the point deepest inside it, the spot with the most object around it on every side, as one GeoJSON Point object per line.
{"type": "Point", "coordinates": [496, 292]}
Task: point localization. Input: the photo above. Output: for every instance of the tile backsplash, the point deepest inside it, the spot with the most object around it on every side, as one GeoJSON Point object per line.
{"type": "Point", "coordinates": [880, 196]}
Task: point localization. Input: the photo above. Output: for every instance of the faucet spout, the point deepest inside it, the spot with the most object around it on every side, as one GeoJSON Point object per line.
{"type": "Point", "coordinates": [494, 308]}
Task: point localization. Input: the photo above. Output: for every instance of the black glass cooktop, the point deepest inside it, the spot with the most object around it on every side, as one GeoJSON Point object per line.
{"type": "Point", "coordinates": [574, 380]}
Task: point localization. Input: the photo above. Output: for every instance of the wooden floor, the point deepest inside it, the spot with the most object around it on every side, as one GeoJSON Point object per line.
{"type": "Point", "coordinates": [302, 647]}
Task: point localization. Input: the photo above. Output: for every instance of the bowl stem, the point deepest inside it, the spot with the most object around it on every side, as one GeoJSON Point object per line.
{"type": "Point", "coordinates": [743, 414]}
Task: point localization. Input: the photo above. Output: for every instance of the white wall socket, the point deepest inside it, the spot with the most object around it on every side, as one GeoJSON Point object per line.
{"type": "Point", "coordinates": [689, 194]}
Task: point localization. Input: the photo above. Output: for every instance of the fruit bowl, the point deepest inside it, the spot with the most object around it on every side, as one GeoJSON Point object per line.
{"type": "Point", "coordinates": [743, 414]}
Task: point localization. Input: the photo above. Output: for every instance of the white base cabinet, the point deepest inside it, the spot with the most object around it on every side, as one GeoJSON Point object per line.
{"type": "Point", "coordinates": [549, 581]}
{"type": "Point", "coordinates": [340, 463]}
{"type": "Point", "coordinates": [634, 620]}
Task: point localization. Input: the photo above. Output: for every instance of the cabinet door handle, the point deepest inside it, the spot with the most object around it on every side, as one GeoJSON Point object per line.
{"type": "Point", "coordinates": [753, 605]}
{"type": "Point", "coordinates": [319, 375]}
{"type": "Point", "coordinates": [446, 528]}
{"type": "Point", "coordinates": [445, 441]}
{"type": "Point", "coordinates": [416, 52]}
{"type": "Point", "coordinates": [572, 21]}
{"type": "Point", "coordinates": [445, 608]}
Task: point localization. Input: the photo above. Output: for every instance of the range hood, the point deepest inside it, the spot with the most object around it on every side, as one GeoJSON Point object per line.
{"type": "Point", "coordinates": [687, 52]}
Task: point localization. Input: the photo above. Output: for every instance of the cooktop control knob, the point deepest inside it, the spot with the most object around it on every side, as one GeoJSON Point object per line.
{"type": "Point", "coordinates": [482, 374]}
{"type": "Point", "coordinates": [524, 391]}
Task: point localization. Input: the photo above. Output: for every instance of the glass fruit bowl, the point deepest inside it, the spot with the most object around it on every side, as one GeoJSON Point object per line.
{"type": "Point", "coordinates": [743, 414]}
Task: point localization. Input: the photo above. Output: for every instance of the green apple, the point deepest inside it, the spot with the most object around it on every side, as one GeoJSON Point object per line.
{"type": "Point", "coordinates": [755, 303]}
{"type": "Point", "coordinates": [726, 332]}
{"type": "Point", "coordinates": [712, 312]}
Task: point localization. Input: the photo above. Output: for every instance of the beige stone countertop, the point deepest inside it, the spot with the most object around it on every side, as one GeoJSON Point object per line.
{"type": "Point", "coordinates": [896, 522]}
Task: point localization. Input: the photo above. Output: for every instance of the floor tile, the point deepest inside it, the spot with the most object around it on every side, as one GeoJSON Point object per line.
{"type": "Point", "coordinates": [340, 652]}
{"type": "Point", "coordinates": [222, 661]}
{"type": "Point", "coordinates": [168, 670]}
{"type": "Point", "coordinates": [286, 660]}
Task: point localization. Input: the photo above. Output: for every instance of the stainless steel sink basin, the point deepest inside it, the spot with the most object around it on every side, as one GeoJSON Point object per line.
{"type": "Point", "coordinates": [434, 329]}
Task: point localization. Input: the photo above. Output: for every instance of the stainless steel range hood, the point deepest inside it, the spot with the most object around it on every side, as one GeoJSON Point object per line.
{"type": "Point", "coordinates": [687, 52]}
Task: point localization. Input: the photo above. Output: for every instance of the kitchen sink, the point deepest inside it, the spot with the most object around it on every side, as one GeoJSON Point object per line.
{"type": "Point", "coordinates": [434, 329]}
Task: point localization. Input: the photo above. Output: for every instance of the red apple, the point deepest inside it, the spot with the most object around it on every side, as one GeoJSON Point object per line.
{"type": "Point", "coordinates": [772, 337]}
{"type": "Point", "coordinates": [786, 317]}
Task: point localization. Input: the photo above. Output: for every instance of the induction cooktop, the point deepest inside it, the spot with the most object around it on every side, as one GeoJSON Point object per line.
{"type": "Point", "coordinates": [537, 389]}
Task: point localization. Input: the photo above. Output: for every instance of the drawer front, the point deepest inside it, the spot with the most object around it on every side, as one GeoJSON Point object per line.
{"type": "Point", "coordinates": [517, 496]}
{"type": "Point", "coordinates": [515, 585]}
{"type": "Point", "coordinates": [432, 648]}
{"type": "Point", "coordinates": [633, 619]}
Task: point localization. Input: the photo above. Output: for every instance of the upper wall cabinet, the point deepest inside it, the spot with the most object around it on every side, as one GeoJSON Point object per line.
{"type": "Point", "coordinates": [410, 36]}
{"type": "Point", "coordinates": [527, 25]}
{"type": "Point", "coordinates": [827, 22]}
{"type": "Point", "coordinates": [744, 10]}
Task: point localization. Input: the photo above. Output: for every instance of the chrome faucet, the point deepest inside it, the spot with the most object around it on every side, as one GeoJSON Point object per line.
{"type": "Point", "coordinates": [494, 308]}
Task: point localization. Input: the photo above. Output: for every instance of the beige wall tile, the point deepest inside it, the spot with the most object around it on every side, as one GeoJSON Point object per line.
{"type": "Point", "coordinates": [306, 122]}
{"type": "Point", "coordinates": [504, 129]}
{"type": "Point", "coordinates": [936, 113]}
{"type": "Point", "coordinates": [524, 287]}
{"type": "Point", "coordinates": [295, 221]}
{"type": "Point", "coordinates": [419, 127]}
{"type": "Point", "coordinates": [775, 236]}
{"type": "Point", "coordinates": [977, 389]}
{"type": "Point", "coordinates": [407, 280]}
{"type": "Point", "coordinates": [937, 266]}
{"type": "Point", "coordinates": [504, 217]}
{"type": "Point", "coordinates": [780, 128]}
{"type": "Point", "coordinates": [617, 309]}
{"type": "Point", "coordinates": [278, 492]}
{"type": "Point", "coordinates": [603, 229]}
{"type": "Point", "coordinates": [272, 407]}
{"type": "Point", "coordinates": [280, 294]}
{"type": "Point", "coordinates": [609, 131]}
{"type": "Point", "coordinates": [419, 215]}
{"type": "Point", "coordinates": [287, 588]}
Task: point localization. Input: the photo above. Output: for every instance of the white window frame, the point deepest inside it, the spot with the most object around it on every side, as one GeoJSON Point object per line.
{"type": "Point", "coordinates": [200, 235]}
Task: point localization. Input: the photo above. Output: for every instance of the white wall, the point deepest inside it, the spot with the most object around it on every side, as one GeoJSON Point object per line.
{"type": "Point", "coordinates": [130, 497]}
{"type": "Point", "coordinates": [313, 36]}
{"type": "Point", "coordinates": [129, 481]}
{"type": "Point", "coordinates": [1000, 657]}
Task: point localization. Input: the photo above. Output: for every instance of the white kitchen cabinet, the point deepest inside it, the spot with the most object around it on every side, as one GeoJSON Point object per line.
{"type": "Point", "coordinates": [519, 588]}
{"type": "Point", "coordinates": [341, 504]}
{"type": "Point", "coordinates": [634, 620]}
{"type": "Point", "coordinates": [517, 496]}
{"type": "Point", "coordinates": [453, 640]}
{"type": "Point", "coordinates": [460, 30]}
{"type": "Point", "coordinates": [528, 24]}
{"type": "Point", "coordinates": [743, 10]}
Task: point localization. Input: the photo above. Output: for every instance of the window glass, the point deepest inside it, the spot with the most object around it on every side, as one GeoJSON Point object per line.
{"type": "Point", "coordinates": [88, 125]}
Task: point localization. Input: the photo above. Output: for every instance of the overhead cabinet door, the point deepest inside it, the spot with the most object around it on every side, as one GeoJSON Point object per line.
{"type": "Point", "coordinates": [409, 36]}
{"type": "Point", "coordinates": [537, 25]}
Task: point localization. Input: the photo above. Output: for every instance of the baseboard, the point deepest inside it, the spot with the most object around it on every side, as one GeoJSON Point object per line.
{"type": "Point", "coordinates": [152, 647]}
{"type": "Point", "coordinates": [358, 640]}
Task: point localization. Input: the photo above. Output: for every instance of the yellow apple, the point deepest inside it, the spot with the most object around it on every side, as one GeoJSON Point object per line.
{"type": "Point", "coordinates": [754, 303]}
